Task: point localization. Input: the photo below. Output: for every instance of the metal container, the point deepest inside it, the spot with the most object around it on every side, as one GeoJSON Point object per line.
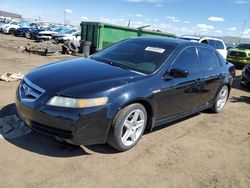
{"type": "Point", "coordinates": [102, 35]}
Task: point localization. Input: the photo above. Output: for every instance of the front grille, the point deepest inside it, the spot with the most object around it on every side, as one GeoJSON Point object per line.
{"type": "Point", "coordinates": [29, 91]}
{"type": "Point", "coordinates": [238, 54]}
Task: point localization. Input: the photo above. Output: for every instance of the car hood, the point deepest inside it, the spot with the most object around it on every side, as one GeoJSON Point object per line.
{"type": "Point", "coordinates": [61, 35]}
{"type": "Point", "coordinates": [77, 76]}
{"type": "Point", "coordinates": [47, 32]}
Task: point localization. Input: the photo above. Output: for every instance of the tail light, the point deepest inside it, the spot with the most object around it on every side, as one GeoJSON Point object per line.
{"type": "Point", "coordinates": [232, 71]}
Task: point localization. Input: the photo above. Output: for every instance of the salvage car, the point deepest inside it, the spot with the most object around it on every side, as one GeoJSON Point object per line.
{"type": "Point", "coordinates": [218, 44]}
{"type": "Point", "coordinates": [245, 76]}
{"type": "Point", "coordinates": [72, 36]}
{"type": "Point", "coordinates": [239, 56]}
{"type": "Point", "coordinates": [118, 93]}
{"type": "Point", "coordinates": [47, 35]}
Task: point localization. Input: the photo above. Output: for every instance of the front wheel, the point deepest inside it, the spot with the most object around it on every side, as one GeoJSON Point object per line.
{"type": "Point", "coordinates": [128, 127]}
{"type": "Point", "coordinates": [221, 99]}
{"type": "Point", "coordinates": [12, 31]}
{"type": "Point", "coordinates": [28, 35]}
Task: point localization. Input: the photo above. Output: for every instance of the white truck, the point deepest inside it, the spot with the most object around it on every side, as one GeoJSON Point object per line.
{"type": "Point", "coordinates": [218, 44]}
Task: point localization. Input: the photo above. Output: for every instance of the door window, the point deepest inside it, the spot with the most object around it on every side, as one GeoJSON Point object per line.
{"type": "Point", "coordinates": [208, 58]}
{"type": "Point", "coordinates": [187, 60]}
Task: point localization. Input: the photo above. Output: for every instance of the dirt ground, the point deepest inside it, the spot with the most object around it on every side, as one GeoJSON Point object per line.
{"type": "Point", "coordinates": [205, 150]}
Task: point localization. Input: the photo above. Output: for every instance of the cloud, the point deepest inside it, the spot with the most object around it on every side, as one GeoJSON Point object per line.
{"type": "Point", "coordinates": [173, 19]}
{"type": "Point", "coordinates": [159, 5]}
{"type": "Point", "coordinates": [232, 28]}
{"type": "Point", "coordinates": [246, 32]}
{"type": "Point", "coordinates": [241, 2]}
{"type": "Point", "coordinates": [218, 31]}
{"type": "Point", "coordinates": [84, 18]}
{"type": "Point", "coordinates": [186, 22]}
{"type": "Point", "coordinates": [68, 10]}
{"type": "Point", "coordinates": [205, 27]}
{"type": "Point", "coordinates": [139, 15]}
{"type": "Point", "coordinates": [216, 19]}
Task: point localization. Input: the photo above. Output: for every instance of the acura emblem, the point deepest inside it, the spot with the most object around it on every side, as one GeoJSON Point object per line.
{"type": "Point", "coordinates": [27, 91]}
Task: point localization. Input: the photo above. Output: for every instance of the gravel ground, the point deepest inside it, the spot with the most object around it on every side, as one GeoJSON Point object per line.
{"type": "Point", "coordinates": [205, 150]}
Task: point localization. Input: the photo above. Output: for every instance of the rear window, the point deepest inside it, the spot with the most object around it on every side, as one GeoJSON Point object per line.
{"type": "Point", "coordinates": [212, 43]}
{"type": "Point", "coordinates": [219, 45]}
{"type": "Point", "coordinates": [144, 56]}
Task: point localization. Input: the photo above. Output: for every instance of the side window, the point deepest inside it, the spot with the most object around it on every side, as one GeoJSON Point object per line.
{"type": "Point", "coordinates": [212, 43]}
{"type": "Point", "coordinates": [204, 42]}
{"type": "Point", "coordinates": [219, 45]}
{"type": "Point", "coordinates": [208, 58]}
{"type": "Point", "coordinates": [187, 60]}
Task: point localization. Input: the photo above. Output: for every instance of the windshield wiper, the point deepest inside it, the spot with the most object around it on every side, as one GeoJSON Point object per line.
{"type": "Point", "coordinates": [110, 62]}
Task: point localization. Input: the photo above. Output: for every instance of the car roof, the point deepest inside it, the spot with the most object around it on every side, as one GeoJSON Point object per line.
{"type": "Point", "coordinates": [174, 41]}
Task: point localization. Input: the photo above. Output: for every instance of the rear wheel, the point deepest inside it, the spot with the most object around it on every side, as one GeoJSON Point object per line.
{"type": "Point", "coordinates": [128, 127]}
{"type": "Point", "coordinates": [221, 99]}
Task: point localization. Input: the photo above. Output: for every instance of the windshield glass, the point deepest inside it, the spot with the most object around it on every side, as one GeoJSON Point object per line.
{"type": "Point", "coordinates": [145, 56]}
{"type": "Point", "coordinates": [244, 46]}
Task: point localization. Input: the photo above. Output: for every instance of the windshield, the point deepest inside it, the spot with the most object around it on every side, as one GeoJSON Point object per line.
{"type": "Point", "coordinates": [145, 56]}
{"type": "Point", "coordinates": [244, 46]}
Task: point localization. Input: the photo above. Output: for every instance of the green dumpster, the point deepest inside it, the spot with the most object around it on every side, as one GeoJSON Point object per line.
{"type": "Point", "coordinates": [102, 35]}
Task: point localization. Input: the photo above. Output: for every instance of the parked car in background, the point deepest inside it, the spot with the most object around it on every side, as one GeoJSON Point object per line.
{"type": "Point", "coordinates": [245, 76]}
{"type": "Point", "coordinates": [4, 25]}
{"type": "Point", "coordinates": [12, 26]}
{"type": "Point", "coordinates": [218, 44]}
{"type": "Point", "coordinates": [117, 93]}
{"type": "Point", "coordinates": [48, 34]}
{"type": "Point", "coordinates": [73, 36]}
{"type": "Point", "coordinates": [240, 55]}
{"type": "Point", "coordinates": [33, 32]}
{"type": "Point", "coordinates": [20, 32]}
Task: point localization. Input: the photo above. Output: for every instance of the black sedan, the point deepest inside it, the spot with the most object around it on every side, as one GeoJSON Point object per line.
{"type": "Point", "coordinates": [245, 76]}
{"type": "Point", "coordinates": [117, 93]}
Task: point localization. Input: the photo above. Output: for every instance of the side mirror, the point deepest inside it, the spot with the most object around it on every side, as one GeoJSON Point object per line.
{"type": "Point", "coordinates": [176, 73]}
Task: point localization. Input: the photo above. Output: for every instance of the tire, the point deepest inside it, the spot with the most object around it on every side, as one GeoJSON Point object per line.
{"type": "Point", "coordinates": [12, 31]}
{"type": "Point", "coordinates": [128, 127]}
{"type": "Point", "coordinates": [28, 35]}
{"type": "Point", "coordinates": [220, 99]}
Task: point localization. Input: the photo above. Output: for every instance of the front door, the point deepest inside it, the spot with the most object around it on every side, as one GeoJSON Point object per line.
{"type": "Point", "coordinates": [181, 94]}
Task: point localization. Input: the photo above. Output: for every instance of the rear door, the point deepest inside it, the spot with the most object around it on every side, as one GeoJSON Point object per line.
{"type": "Point", "coordinates": [211, 73]}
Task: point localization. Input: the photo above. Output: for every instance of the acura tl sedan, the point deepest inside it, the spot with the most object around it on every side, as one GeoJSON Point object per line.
{"type": "Point", "coordinates": [118, 93]}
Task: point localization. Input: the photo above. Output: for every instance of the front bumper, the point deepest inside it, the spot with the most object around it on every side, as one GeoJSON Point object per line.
{"type": "Point", "coordinates": [238, 61]}
{"type": "Point", "coordinates": [80, 127]}
{"type": "Point", "coordinates": [5, 30]}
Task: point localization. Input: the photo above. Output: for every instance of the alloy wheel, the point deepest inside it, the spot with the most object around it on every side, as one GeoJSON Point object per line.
{"type": "Point", "coordinates": [133, 127]}
{"type": "Point", "coordinates": [222, 98]}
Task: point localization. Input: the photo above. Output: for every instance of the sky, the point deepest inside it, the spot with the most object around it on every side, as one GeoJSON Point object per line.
{"type": "Point", "coordinates": [180, 17]}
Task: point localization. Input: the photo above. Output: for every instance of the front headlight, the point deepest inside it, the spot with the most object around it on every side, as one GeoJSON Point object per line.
{"type": "Point", "coordinates": [76, 103]}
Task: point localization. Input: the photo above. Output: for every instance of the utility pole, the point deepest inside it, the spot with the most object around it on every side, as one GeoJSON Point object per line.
{"type": "Point", "coordinates": [243, 28]}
